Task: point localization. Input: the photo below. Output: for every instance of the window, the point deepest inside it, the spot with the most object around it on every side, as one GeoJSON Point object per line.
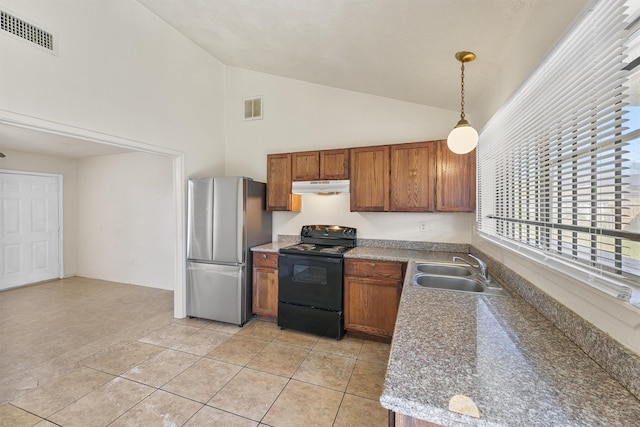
{"type": "Point", "coordinates": [559, 164]}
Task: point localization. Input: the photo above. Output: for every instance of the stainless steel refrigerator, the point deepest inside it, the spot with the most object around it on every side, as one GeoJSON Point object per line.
{"type": "Point", "coordinates": [226, 216]}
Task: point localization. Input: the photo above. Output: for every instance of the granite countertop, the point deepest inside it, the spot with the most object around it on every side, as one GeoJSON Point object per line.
{"type": "Point", "coordinates": [512, 362]}
{"type": "Point", "coordinates": [499, 351]}
{"type": "Point", "coordinates": [271, 247]}
{"type": "Point", "coordinates": [397, 254]}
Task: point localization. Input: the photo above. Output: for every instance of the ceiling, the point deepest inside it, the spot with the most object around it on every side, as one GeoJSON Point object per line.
{"type": "Point", "coordinates": [399, 49]}
{"type": "Point", "coordinates": [16, 138]}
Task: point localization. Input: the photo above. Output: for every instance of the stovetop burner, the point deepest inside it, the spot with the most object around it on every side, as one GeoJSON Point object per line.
{"type": "Point", "coordinates": [325, 240]}
{"type": "Point", "coordinates": [309, 249]}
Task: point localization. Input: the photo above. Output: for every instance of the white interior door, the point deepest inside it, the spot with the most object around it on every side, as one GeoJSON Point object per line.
{"type": "Point", "coordinates": [29, 228]}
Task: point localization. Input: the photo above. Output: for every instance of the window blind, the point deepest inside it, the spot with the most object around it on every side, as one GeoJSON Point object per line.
{"type": "Point", "coordinates": [559, 163]}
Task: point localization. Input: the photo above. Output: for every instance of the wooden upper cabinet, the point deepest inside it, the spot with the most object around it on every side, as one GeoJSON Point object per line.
{"type": "Point", "coordinates": [305, 166]}
{"type": "Point", "coordinates": [323, 165]}
{"type": "Point", "coordinates": [334, 164]}
{"type": "Point", "coordinates": [279, 197]}
{"type": "Point", "coordinates": [369, 172]}
{"type": "Point", "coordinates": [413, 177]}
{"type": "Point", "coordinates": [456, 180]}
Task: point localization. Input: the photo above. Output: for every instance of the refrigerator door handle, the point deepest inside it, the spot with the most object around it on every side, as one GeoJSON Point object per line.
{"type": "Point", "coordinates": [199, 219]}
{"type": "Point", "coordinates": [228, 219]}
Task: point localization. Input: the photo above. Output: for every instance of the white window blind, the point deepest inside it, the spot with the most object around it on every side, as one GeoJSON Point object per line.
{"type": "Point", "coordinates": [559, 163]}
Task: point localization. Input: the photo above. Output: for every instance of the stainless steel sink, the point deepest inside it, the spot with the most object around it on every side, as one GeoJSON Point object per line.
{"type": "Point", "coordinates": [454, 277]}
{"type": "Point", "coordinates": [444, 269]}
{"type": "Point", "coordinates": [448, 282]}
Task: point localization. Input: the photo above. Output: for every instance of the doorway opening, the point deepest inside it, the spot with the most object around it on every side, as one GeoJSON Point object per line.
{"type": "Point", "coordinates": [75, 135]}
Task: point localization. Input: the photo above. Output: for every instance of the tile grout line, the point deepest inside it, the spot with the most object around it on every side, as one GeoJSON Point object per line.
{"type": "Point", "coordinates": [270, 339]}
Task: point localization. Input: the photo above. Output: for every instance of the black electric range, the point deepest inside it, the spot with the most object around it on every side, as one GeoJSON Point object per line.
{"type": "Point", "coordinates": [310, 288]}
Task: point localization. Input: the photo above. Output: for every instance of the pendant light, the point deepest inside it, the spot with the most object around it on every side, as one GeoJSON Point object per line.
{"type": "Point", "coordinates": [463, 138]}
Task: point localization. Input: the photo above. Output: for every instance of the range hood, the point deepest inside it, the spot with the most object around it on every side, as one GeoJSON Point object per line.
{"type": "Point", "coordinates": [320, 187]}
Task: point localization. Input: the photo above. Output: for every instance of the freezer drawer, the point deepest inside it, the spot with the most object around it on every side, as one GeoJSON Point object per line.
{"type": "Point", "coordinates": [218, 292]}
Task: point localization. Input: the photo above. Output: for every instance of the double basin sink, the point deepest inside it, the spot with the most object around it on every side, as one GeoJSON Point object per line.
{"type": "Point", "coordinates": [454, 277]}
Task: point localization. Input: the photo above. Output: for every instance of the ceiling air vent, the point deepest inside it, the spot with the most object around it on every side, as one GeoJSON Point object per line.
{"type": "Point", "coordinates": [253, 108]}
{"type": "Point", "coordinates": [12, 25]}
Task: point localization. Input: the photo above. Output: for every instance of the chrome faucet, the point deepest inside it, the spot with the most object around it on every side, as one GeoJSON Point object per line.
{"type": "Point", "coordinates": [482, 266]}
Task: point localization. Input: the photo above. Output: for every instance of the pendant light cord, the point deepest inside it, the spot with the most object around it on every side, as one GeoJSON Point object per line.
{"type": "Point", "coordinates": [462, 92]}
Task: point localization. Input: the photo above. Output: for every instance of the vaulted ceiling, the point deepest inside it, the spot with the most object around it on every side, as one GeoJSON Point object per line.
{"type": "Point", "coordinates": [400, 49]}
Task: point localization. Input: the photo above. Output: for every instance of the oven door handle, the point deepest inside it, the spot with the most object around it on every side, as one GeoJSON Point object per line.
{"type": "Point", "coordinates": [315, 258]}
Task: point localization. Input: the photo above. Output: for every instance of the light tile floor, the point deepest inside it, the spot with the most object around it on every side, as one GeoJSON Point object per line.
{"type": "Point", "coordinates": [83, 352]}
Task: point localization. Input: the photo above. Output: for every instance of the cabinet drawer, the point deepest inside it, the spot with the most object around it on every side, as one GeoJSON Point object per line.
{"type": "Point", "coordinates": [374, 269]}
{"type": "Point", "coordinates": [265, 259]}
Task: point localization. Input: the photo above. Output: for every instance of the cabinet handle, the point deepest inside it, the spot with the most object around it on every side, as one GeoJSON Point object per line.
{"type": "Point", "coordinates": [264, 256]}
{"type": "Point", "coordinates": [373, 264]}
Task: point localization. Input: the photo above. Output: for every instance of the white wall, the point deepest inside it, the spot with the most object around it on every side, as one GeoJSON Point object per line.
{"type": "Point", "coordinates": [28, 162]}
{"type": "Point", "coordinates": [126, 226]}
{"type": "Point", "coordinates": [334, 209]}
{"type": "Point", "coordinates": [304, 116]}
{"type": "Point", "coordinates": [120, 71]}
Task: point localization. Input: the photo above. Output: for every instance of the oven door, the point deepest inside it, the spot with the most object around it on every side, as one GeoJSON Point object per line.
{"type": "Point", "coordinates": [310, 280]}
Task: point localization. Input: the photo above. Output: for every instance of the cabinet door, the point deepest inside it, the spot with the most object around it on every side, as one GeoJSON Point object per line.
{"type": "Point", "coordinates": [279, 197]}
{"type": "Point", "coordinates": [456, 180]}
{"type": "Point", "coordinates": [413, 177]}
{"type": "Point", "coordinates": [305, 166]}
{"type": "Point", "coordinates": [400, 420]}
{"type": "Point", "coordinates": [265, 284]}
{"type": "Point", "coordinates": [265, 291]}
{"type": "Point", "coordinates": [369, 171]}
{"type": "Point", "coordinates": [371, 305]}
{"type": "Point", "coordinates": [334, 164]}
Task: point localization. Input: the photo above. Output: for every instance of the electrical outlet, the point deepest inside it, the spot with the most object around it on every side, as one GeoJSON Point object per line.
{"type": "Point", "coordinates": [423, 226]}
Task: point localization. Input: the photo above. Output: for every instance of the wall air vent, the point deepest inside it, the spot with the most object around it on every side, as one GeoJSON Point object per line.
{"type": "Point", "coordinates": [14, 26]}
{"type": "Point", "coordinates": [253, 108]}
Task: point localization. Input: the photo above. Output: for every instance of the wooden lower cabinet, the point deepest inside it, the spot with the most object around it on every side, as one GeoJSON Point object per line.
{"type": "Point", "coordinates": [371, 296]}
{"type": "Point", "coordinates": [399, 420]}
{"type": "Point", "coordinates": [265, 284]}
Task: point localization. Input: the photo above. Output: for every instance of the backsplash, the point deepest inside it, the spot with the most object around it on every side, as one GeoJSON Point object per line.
{"type": "Point", "coordinates": [415, 245]}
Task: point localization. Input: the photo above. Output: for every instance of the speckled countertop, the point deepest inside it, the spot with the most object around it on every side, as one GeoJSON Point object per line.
{"type": "Point", "coordinates": [271, 247]}
{"type": "Point", "coordinates": [512, 362]}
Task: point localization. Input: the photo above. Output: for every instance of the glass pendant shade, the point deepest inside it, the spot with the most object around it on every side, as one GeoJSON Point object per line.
{"type": "Point", "coordinates": [463, 138]}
